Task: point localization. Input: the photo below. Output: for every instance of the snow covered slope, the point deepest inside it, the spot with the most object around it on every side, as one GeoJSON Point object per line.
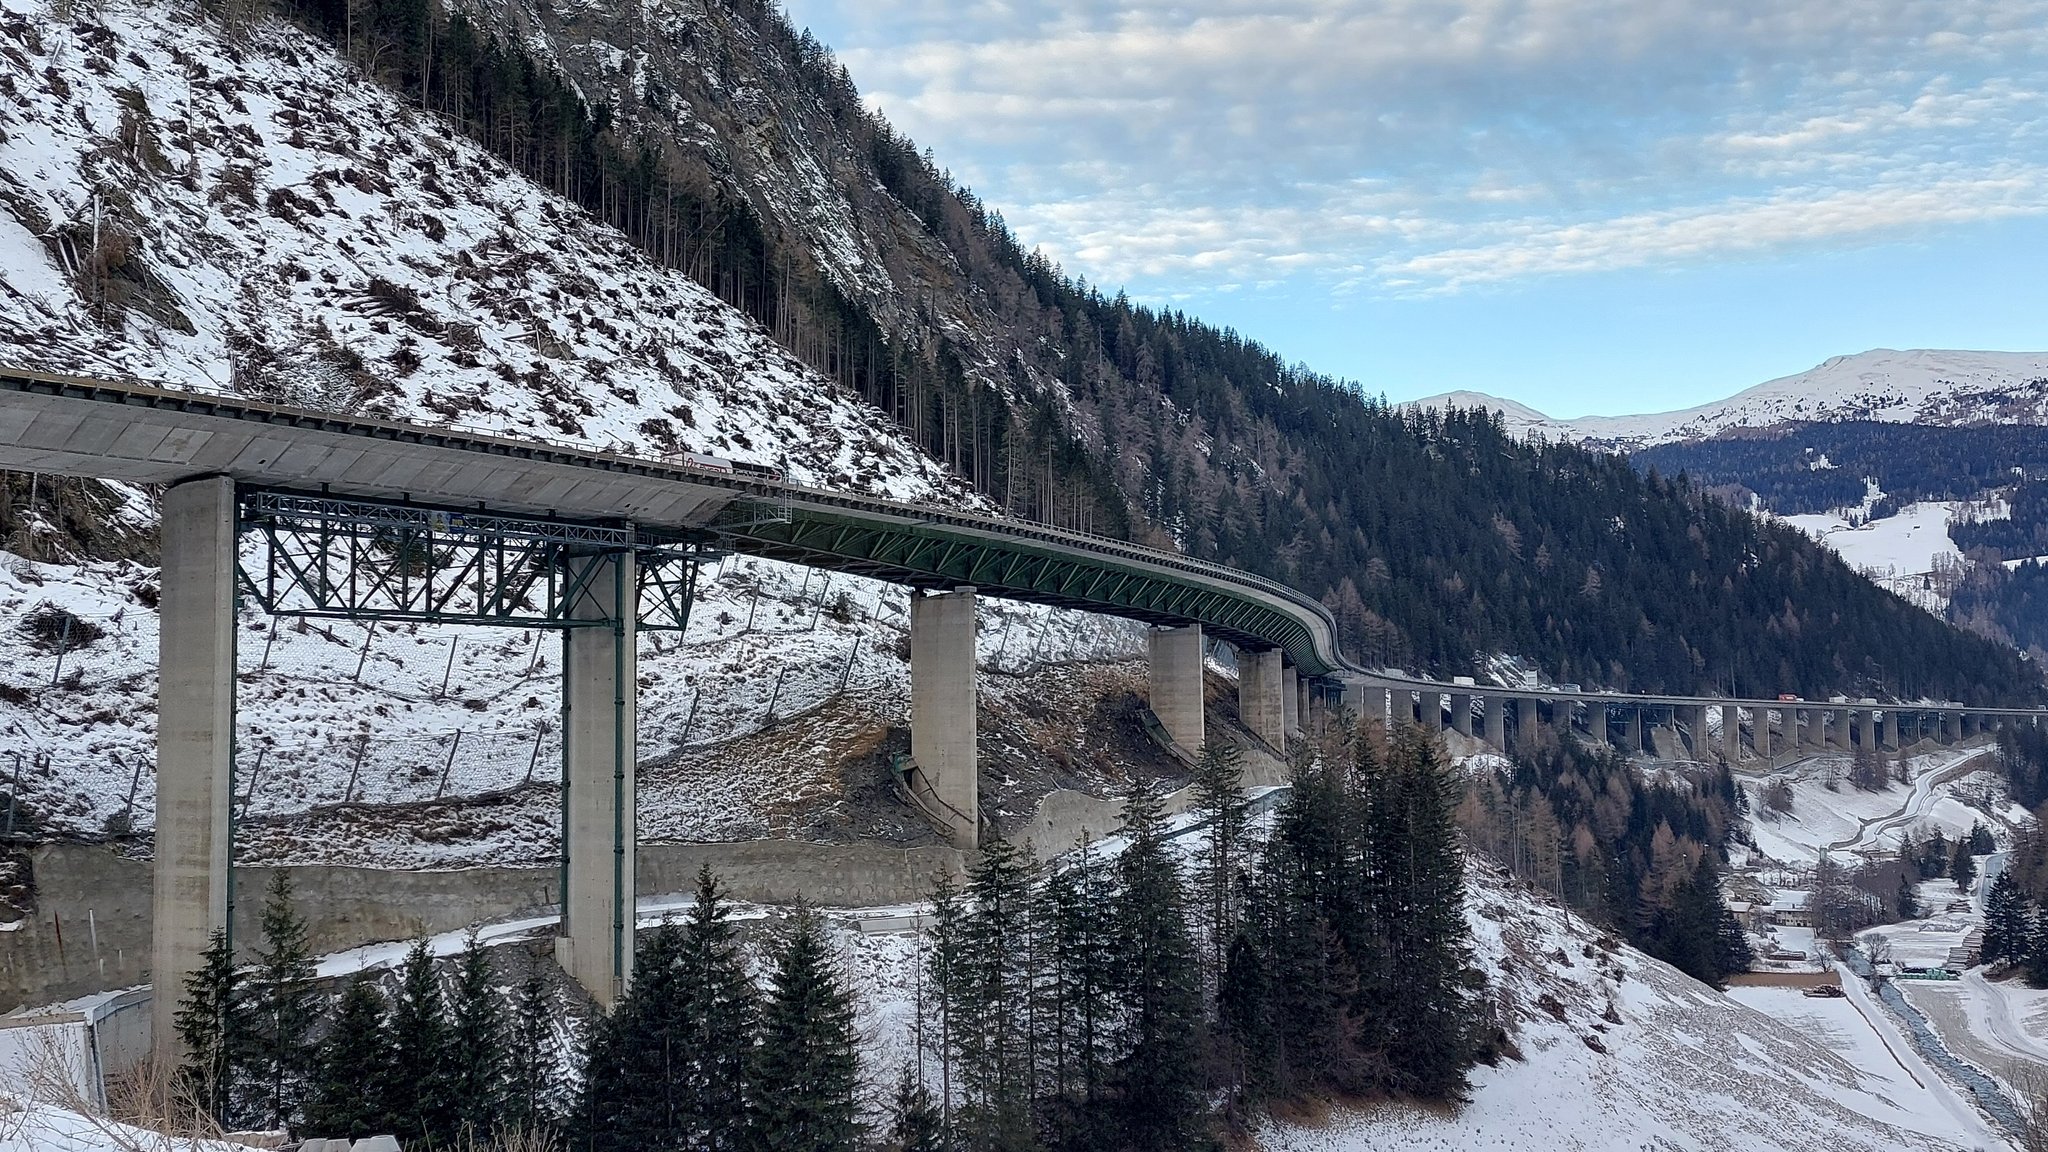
{"type": "Point", "coordinates": [1920, 386]}
{"type": "Point", "coordinates": [1622, 1053]}
{"type": "Point", "coordinates": [253, 217]}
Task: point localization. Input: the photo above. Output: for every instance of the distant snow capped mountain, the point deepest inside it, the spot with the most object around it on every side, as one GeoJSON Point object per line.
{"type": "Point", "coordinates": [1920, 386]}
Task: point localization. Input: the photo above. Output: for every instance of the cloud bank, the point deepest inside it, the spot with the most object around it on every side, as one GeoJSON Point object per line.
{"type": "Point", "coordinates": [1439, 146]}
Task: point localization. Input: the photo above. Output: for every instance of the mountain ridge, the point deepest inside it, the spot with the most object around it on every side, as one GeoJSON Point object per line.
{"type": "Point", "coordinates": [1920, 385]}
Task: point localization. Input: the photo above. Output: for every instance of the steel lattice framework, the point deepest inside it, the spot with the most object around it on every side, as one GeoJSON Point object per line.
{"type": "Point", "coordinates": [359, 559]}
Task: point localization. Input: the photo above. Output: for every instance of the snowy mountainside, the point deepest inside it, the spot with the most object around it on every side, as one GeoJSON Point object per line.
{"type": "Point", "coordinates": [1622, 1052]}
{"type": "Point", "coordinates": [270, 224]}
{"type": "Point", "coordinates": [186, 210]}
{"type": "Point", "coordinates": [1920, 386]}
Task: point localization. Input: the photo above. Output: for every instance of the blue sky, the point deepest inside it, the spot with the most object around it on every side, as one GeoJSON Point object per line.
{"type": "Point", "coordinates": [1590, 206]}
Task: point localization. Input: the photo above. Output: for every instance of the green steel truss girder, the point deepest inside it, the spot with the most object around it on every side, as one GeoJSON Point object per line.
{"type": "Point", "coordinates": [932, 557]}
{"type": "Point", "coordinates": [368, 560]}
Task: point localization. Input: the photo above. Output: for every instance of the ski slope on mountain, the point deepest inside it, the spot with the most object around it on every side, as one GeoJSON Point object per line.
{"type": "Point", "coordinates": [1923, 386]}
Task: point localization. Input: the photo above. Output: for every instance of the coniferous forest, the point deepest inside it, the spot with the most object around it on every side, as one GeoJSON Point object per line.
{"type": "Point", "coordinates": [1143, 993]}
{"type": "Point", "coordinates": [1433, 538]}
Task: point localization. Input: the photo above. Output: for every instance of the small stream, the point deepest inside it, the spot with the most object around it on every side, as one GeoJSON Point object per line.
{"type": "Point", "coordinates": [1990, 1095]}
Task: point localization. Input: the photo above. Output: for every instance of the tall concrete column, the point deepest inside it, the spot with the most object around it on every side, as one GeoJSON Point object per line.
{"type": "Point", "coordinates": [1290, 699]}
{"type": "Point", "coordinates": [1495, 727]}
{"type": "Point", "coordinates": [1596, 721]}
{"type": "Point", "coordinates": [1354, 700]}
{"type": "Point", "coordinates": [1305, 703]}
{"type": "Point", "coordinates": [1945, 727]}
{"type": "Point", "coordinates": [1838, 728]}
{"type": "Point", "coordinates": [194, 741]}
{"type": "Point", "coordinates": [1259, 696]}
{"type": "Point", "coordinates": [1431, 711]}
{"type": "Point", "coordinates": [1526, 723]}
{"type": "Point", "coordinates": [600, 696]}
{"type": "Point", "coordinates": [1461, 713]}
{"type": "Point", "coordinates": [1632, 739]}
{"type": "Point", "coordinates": [1383, 708]}
{"type": "Point", "coordinates": [1760, 732]}
{"type": "Point", "coordinates": [1884, 731]}
{"type": "Point", "coordinates": [1804, 721]}
{"type": "Point", "coordinates": [1696, 722]}
{"type": "Point", "coordinates": [1561, 718]}
{"type": "Point", "coordinates": [1731, 732]}
{"type": "Point", "coordinates": [943, 728]}
{"type": "Point", "coordinates": [1176, 678]}
{"type": "Point", "coordinates": [1971, 722]}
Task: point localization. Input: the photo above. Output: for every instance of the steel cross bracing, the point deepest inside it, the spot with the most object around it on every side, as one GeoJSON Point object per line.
{"type": "Point", "coordinates": [361, 559]}
{"type": "Point", "coordinates": [910, 553]}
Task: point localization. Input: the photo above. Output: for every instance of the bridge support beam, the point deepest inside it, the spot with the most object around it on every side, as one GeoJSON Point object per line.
{"type": "Point", "coordinates": [1884, 736]}
{"type": "Point", "coordinates": [943, 728]}
{"type": "Point", "coordinates": [1431, 714]}
{"type": "Point", "coordinates": [1461, 713]}
{"type": "Point", "coordinates": [194, 742]}
{"type": "Point", "coordinates": [1760, 732]}
{"type": "Point", "coordinates": [1731, 732]}
{"type": "Point", "coordinates": [1495, 726]}
{"type": "Point", "coordinates": [1175, 656]}
{"type": "Point", "coordinates": [1632, 731]}
{"type": "Point", "coordinates": [1259, 692]}
{"type": "Point", "coordinates": [1561, 718]}
{"type": "Point", "coordinates": [600, 822]}
{"type": "Point", "coordinates": [1290, 700]}
{"type": "Point", "coordinates": [1596, 721]}
{"type": "Point", "coordinates": [1970, 724]}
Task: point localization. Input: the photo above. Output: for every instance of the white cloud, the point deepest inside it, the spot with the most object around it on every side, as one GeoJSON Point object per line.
{"type": "Point", "coordinates": [1429, 145]}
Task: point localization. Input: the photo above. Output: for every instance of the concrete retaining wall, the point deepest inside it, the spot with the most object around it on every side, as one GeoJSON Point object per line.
{"type": "Point", "coordinates": [91, 928]}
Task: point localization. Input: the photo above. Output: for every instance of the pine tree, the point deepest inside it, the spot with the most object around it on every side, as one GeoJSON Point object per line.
{"type": "Point", "coordinates": [914, 1122]}
{"type": "Point", "coordinates": [353, 1067]}
{"type": "Point", "coordinates": [418, 1094]}
{"type": "Point", "coordinates": [1244, 1015]}
{"type": "Point", "coordinates": [533, 1068]}
{"type": "Point", "coordinates": [1074, 1013]}
{"type": "Point", "coordinates": [1981, 842]}
{"type": "Point", "coordinates": [479, 1065]}
{"type": "Point", "coordinates": [210, 1026]}
{"type": "Point", "coordinates": [805, 1078]}
{"type": "Point", "coordinates": [2005, 922]}
{"type": "Point", "coordinates": [1907, 902]}
{"type": "Point", "coordinates": [632, 1057]}
{"type": "Point", "coordinates": [2037, 947]}
{"type": "Point", "coordinates": [283, 1008]}
{"type": "Point", "coordinates": [1158, 1081]}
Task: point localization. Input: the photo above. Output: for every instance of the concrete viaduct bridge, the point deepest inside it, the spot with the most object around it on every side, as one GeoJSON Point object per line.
{"type": "Point", "coordinates": [368, 518]}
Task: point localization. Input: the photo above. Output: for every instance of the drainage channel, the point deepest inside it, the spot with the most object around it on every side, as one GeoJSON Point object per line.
{"type": "Point", "coordinates": [1989, 1095]}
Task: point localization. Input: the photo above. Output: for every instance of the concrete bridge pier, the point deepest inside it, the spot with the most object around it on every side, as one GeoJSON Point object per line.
{"type": "Point", "coordinates": [1305, 704]}
{"type": "Point", "coordinates": [1971, 724]}
{"type": "Point", "coordinates": [1174, 656]}
{"type": "Point", "coordinates": [1561, 718]}
{"type": "Point", "coordinates": [1884, 734]}
{"type": "Point", "coordinates": [1461, 713]}
{"type": "Point", "coordinates": [1290, 700]}
{"type": "Point", "coordinates": [1731, 733]}
{"type": "Point", "coordinates": [1836, 724]}
{"type": "Point", "coordinates": [943, 728]}
{"type": "Point", "coordinates": [194, 741]}
{"type": "Point", "coordinates": [1632, 731]}
{"type": "Point", "coordinates": [1945, 727]}
{"type": "Point", "coordinates": [1596, 721]}
{"type": "Point", "coordinates": [1259, 691]}
{"type": "Point", "coordinates": [1494, 726]}
{"type": "Point", "coordinates": [1431, 711]}
{"type": "Point", "coordinates": [1696, 725]}
{"type": "Point", "coordinates": [600, 682]}
{"type": "Point", "coordinates": [1760, 732]}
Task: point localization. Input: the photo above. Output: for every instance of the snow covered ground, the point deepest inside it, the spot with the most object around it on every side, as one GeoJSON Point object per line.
{"type": "Point", "coordinates": [1846, 819]}
{"type": "Point", "coordinates": [1676, 1066]}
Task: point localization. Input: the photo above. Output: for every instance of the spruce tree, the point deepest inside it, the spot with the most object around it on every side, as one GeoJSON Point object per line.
{"type": "Point", "coordinates": [914, 1123]}
{"type": "Point", "coordinates": [479, 1064]}
{"type": "Point", "coordinates": [1220, 802]}
{"type": "Point", "coordinates": [1430, 1035]}
{"type": "Point", "coordinates": [992, 985]}
{"type": "Point", "coordinates": [2005, 922]}
{"type": "Point", "coordinates": [419, 1094]}
{"type": "Point", "coordinates": [633, 1056]}
{"type": "Point", "coordinates": [1074, 1012]}
{"type": "Point", "coordinates": [805, 1078]}
{"type": "Point", "coordinates": [1244, 1016]}
{"type": "Point", "coordinates": [533, 1067]}
{"type": "Point", "coordinates": [1962, 867]}
{"type": "Point", "coordinates": [1907, 901]}
{"type": "Point", "coordinates": [283, 1008]}
{"type": "Point", "coordinates": [1158, 1079]}
{"type": "Point", "coordinates": [210, 1026]}
{"type": "Point", "coordinates": [719, 1023]}
{"type": "Point", "coordinates": [353, 1067]}
{"type": "Point", "coordinates": [2037, 947]}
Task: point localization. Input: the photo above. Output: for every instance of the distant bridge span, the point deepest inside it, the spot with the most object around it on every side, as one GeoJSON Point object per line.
{"type": "Point", "coordinates": [598, 535]}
